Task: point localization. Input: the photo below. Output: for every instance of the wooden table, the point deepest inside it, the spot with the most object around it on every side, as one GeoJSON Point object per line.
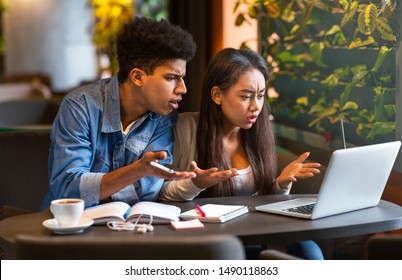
{"type": "Point", "coordinates": [252, 228]}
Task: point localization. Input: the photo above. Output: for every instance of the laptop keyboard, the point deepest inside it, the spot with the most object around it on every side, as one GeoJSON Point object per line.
{"type": "Point", "coordinates": [304, 209]}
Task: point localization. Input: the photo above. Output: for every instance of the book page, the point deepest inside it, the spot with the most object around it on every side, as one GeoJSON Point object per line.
{"type": "Point", "coordinates": [161, 213]}
{"type": "Point", "coordinates": [103, 213]}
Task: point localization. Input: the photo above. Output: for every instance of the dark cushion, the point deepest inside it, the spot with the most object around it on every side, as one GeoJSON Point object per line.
{"type": "Point", "coordinates": [28, 112]}
{"type": "Point", "coordinates": [206, 247]}
{"type": "Point", "coordinates": [23, 168]}
{"type": "Point", "coordinates": [384, 247]}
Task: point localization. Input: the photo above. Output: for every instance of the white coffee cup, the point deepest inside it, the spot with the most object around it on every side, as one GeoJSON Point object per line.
{"type": "Point", "coordinates": [67, 211]}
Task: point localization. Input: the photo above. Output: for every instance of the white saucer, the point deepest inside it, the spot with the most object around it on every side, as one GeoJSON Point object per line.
{"type": "Point", "coordinates": [53, 225]}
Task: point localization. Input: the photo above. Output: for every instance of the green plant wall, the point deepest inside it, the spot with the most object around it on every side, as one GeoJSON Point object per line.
{"type": "Point", "coordinates": [330, 60]}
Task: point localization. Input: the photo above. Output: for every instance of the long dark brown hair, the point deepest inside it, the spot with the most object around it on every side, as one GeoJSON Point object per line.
{"type": "Point", "coordinates": [223, 71]}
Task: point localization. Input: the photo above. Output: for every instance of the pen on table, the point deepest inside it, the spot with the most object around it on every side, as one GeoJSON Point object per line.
{"type": "Point", "coordinates": [161, 167]}
{"type": "Point", "coordinates": [199, 210]}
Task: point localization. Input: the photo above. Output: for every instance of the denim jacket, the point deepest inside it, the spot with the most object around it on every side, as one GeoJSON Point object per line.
{"type": "Point", "coordinates": [87, 142]}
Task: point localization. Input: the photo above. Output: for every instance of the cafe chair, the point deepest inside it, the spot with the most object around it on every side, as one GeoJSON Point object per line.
{"type": "Point", "coordinates": [133, 247]}
{"type": "Point", "coordinates": [384, 247]}
{"type": "Point", "coordinates": [28, 112]}
{"type": "Point", "coordinates": [377, 247]}
{"type": "Point", "coordinates": [18, 91]}
{"type": "Point", "coordinates": [28, 78]}
{"type": "Point", "coordinates": [24, 179]}
{"type": "Point", "coordinates": [273, 254]}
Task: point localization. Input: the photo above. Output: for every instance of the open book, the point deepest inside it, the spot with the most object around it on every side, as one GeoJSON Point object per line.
{"type": "Point", "coordinates": [121, 211]}
{"type": "Point", "coordinates": [215, 213]}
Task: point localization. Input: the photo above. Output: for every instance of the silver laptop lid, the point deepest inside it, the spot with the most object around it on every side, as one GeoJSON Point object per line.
{"type": "Point", "coordinates": [355, 178]}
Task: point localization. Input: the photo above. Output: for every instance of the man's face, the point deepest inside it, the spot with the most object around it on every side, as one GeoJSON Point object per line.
{"type": "Point", "coordinates": [162, 91]}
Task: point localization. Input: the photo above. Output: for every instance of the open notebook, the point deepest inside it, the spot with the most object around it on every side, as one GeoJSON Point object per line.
{"type": "Point", "coordinates": [355, 179]}
{"type": "Point", "coordinates": [215, 213]}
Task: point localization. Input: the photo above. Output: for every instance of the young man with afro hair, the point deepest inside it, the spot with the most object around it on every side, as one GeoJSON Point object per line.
{"type": "Point", "coordinates": [106, 134]}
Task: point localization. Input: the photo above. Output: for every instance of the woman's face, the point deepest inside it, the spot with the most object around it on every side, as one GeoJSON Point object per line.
{"type": "Point", "coordinates": [242, 103]}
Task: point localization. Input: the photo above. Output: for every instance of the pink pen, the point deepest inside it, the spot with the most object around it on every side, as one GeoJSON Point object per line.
{"type": "Point", "coordinates": [199, 210]}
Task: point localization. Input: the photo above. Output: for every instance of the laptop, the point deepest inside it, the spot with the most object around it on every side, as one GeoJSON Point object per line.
{"type": "Point", "coordinates": [355, 179]}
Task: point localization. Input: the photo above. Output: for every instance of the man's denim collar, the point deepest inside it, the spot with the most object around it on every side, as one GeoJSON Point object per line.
{"type": "Point", "coordinates": [111, 118]}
